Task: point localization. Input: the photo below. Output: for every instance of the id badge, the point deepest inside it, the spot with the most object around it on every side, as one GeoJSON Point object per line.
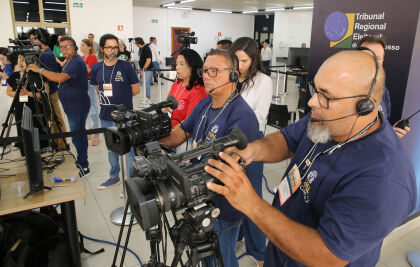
{"type": "Point", "coordinates": [289, 184]}
{"type": "Point", "coordinates": [23, 99]}
{"type": "Point", "coordinates": [3, 82]}
{"type": "Point", "coordinates": [107, 89]}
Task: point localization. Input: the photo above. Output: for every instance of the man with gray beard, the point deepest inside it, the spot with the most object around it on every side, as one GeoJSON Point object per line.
{"type": "Point", "coordinates": [349, 182]}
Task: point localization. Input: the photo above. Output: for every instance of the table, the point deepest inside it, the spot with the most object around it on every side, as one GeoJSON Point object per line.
{"type": "Point", "coordinates": [63, 194]}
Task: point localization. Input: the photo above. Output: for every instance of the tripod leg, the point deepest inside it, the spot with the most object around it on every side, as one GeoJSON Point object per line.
{"type": "Point", "coordinates": [117, 248]}
{"type": "Point", "coordinates": [127, 238]}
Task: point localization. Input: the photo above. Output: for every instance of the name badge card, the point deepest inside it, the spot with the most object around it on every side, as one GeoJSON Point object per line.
{"type": "Point", "coordinates": [108, 89]}
{"type": "Point", "coordinates": [3, 82]}
{"type": "Point", "coordinates": [23, 99]}
{"type": "Point", "coordinates": [289, 185]}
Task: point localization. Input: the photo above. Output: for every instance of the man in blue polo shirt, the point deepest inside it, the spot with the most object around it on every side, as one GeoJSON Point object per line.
{"type": "Point", "coordinates": [215, 117]}
{"type": "Point", "coordinates": [349, 182]}
{"type": "Point", "coordinates": [73, 96]}
{"type": "Point", "coordinates": [117, 83]}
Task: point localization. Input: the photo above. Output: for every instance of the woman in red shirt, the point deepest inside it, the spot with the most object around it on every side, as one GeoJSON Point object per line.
{"type": "Point", "coordinates": [90, 59]}
{"type": "Point", "coordinates": [189, 87]}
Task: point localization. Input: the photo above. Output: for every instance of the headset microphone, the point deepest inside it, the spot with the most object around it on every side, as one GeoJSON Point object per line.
{"type": "Point", "coordinates": [319, 120]}
{"type": "Point", "coordinates": [212, 90]}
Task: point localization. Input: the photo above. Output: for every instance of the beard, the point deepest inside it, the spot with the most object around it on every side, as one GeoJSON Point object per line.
{"type": "Point", "coordinates": [111, 56]}
{"type": "Point", "coordinates": [318, 133]}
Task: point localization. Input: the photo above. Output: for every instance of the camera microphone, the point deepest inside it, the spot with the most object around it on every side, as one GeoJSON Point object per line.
{"type": "Point", "coordinates": [319, 120]}
{"type": "Point", "coordinates": [171, 102]}
{"type": "Point", "coordinates": [212, 90]}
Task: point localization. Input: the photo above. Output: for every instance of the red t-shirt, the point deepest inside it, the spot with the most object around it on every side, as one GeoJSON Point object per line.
{"type": "Point", "coordinates": [187, 100]}
{"type": "Point", "coordinates": [90, 61]}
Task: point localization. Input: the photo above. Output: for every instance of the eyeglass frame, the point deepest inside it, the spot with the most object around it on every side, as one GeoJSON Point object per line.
{"type": "Point", "coordinates": [111, 48]}
{"type": "Point", "coordinates": [66, 46]}
{"type": "Point", "coordinates": [313, 90]}
{"type": "Point", "coordinates": [206, 71]}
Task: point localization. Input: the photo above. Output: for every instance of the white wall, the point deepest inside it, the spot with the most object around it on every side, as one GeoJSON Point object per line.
{"type": "Point", "coordinates": [206, 26]}
{"type": "Point", "coordinates": [101, 17]}
{"type": "Point", "coordinates": [291, 29]}
{"type": "Point", "coordinates": [6, 28]}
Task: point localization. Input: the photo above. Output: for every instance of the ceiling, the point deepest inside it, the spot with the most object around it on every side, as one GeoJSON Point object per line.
{"type": "Point", "coordinates": [235, 5]}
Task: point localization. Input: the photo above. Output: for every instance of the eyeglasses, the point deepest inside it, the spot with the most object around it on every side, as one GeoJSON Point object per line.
{"type": "Point", "coordinates": [324, 101]}
{"type": "Point", "coordinates": [211, 72]}
{"type": "Point", "coordinates": [65, 46]}
{"type": "Point", "coordinates": [111, 47]}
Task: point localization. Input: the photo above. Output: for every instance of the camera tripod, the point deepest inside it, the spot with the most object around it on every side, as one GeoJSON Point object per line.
{"type": "Point", "coordinates": [42, 109]}
{"type": "Point", "coordinates": [201, 245]}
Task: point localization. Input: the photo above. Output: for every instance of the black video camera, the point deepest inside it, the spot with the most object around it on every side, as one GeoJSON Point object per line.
{"type": "Point", "coordinates": [177, 182]}
{"type": "Point", "coordinates": [26, 48]}
{"type": "Point", "coordinates": [186, 38]}
{"type": "Point", "coordinates": [147, 125]}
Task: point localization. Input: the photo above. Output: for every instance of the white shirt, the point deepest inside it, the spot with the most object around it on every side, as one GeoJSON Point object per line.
{"type": "Point", "coordinates": [154, 49]}
{"type": "Point", "coordinates": [266, 54]}
{"type": "Point", "coordinates": [258, 96]}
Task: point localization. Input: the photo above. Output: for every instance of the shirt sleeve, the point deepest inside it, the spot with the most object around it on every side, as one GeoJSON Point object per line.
{"type": "Point", "coordinates": [295, 132]}
{"type": "Point", "coordinates": [263, 101]}
{"type": "Point", "coordinates": [74, 68]}
{"type": "Point", "coordinates": [189, 122]}
{"type": "Point", "coordinates": [93, 73]}
{"type": "Point", "coordinates": [362, 213]}
{"type": "Point", "coordinates": [196, 97]}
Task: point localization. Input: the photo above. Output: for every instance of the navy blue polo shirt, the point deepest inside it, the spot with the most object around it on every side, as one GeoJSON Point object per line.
{"type": "Point", "coordinates": [237, 113]}
{"type": "Point", "coordinates": [48, 61]}
{"type": "Point", "coordinates": [73, 93]}
{"type": "Point", "coordinates": [123, 76]}
{"type": "Point", "coordinates": [385, 106]}
{"type": "Point", "coordinates": [353, 197]}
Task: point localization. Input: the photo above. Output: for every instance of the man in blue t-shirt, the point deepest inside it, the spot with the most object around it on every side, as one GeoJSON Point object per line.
{"type": "Point", "coordinates": [215, 117]}
{"type": "Point", "coordinates": [378, 44]}
{"type": "Point", "coordinates": [116, 82]}
{"type": "Point", "coordinates": [349, 182]}
{"type": "Point", "coordinates": [42, 38]}
{"type": "Point", "coordinates": [73, 94]}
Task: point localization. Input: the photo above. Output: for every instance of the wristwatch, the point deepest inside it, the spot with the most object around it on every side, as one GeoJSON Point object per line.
{"type": "Point", "coordinates": [41, 70]}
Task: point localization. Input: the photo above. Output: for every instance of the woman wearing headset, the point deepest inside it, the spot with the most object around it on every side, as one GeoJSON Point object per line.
{"type": "Point", "coordinates": [188, 89]}
{"type": "Point", "coordinates": [257, 90]}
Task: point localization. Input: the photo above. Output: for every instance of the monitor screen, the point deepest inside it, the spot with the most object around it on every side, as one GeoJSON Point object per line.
{"type": "Point", "coordinates": [298, 57]}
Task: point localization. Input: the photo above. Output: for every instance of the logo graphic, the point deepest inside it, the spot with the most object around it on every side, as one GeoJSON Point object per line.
{"type": "Point", "coordinates": [339, 28]}
{"type": "Point", "coordinates": [215, 129]}
{"type": "Point", "coordinates": [311, 176]}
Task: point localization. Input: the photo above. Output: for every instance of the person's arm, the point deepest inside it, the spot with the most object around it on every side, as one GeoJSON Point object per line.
{"type": "Point", "coordinates": [52, 76]}
{"type": "Point", "coordinates": [177, 137]}
{"type": "Point", "coordinates": [300, 242]}
{"type": "Point", "coordinates": [9, 91]}
{"type": "Point", "coordinates": [146, 65]}
{"type": "Point", "coordinates": [135, 89]}
{"type": "Point", "coordinates": [401, 132]}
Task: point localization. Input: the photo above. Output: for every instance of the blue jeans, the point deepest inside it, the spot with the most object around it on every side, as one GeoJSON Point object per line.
{"type": "Point", "coordinates": [114, 158]}
{"type": "Point", "coordinates": [156, 66]}
{"type": "Point", "coordinates": [77, 122]}
{"type": "Point", "coordinates": [227, 243]}
{"type": "Point", "coordinates": [148, 75]}
{"type": "Point", "coordinates": [94, 111]}
{"type": "Point", "coordinates": [266, 64]}
{"type": "Point", "coordinates": [255, 240]}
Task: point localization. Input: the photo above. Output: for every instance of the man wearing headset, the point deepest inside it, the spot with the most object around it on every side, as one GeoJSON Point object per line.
{"type": "Point", "coordinates": [41, 37]}
{"type": "Point", "coordinates": [73, 94]}
{"type": "Point", "coordinates": [215, 117]}
{"type": "Point", "coordinates": [349, 182]}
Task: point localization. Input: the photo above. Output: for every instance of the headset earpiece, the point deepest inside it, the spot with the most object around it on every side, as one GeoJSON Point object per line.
{"type": "Point", "coordinates": [366, 105]}
{"type": "Point", "coordinates": [233, 77]}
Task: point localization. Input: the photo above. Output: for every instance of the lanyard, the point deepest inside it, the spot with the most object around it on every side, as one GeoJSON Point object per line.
{"type": "Point", "coordinates": [205, 116]}
{"type": "Point", "coordinates": [308, 161]}
{"type": "Point", "coordinates": [103, 72]}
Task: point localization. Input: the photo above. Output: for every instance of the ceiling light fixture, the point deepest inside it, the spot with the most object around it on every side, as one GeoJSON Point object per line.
{"type": "Point", "coordinates": [168, 4]}
{"type": "Point", "coordinates": [55, 3]}
{"type": "Point", "coordinates": [20, 2]}
{"type": "Point", "coordinates": [186, 1]}
{"type": "Point", "coordinates": [221, 11]}
{"type": "Point", "coordinates": [53, 9]}
{"type": "Point", "coordinates": [303, 7]}
{"type": "Point", "coordinates": [274, 9]}
{"type": "Point", "coordinates": [249, 11]}
{"type": "Point", "coordinates": [181, 8]}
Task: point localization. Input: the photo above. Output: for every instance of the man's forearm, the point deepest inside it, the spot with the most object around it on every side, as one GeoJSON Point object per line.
{"type": "Point", "coordinates": [299, 242]}
{"type": "Point", "coordinates": [54, 76]}
{"type": "Point", "coordinates": [146, 65]}
{"type": "Point", "coordinates": [272, 148]}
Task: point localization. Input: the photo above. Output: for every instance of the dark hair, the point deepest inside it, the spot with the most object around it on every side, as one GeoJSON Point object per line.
{"type": "Point", "coordinates": [376, 39]}
{"type": "Point", "coordinates": [42, 35]}
{"type": "Point", "coordinates": [3, 51]}
{"type": "Point", "coordinates": [13, 60]}
{"type": "Point", "coordinates": [248, 45]}
{"type": "Point", "coordinates": [152, 39]}
{"type": "Point", "coordinates": [91, 34]}
{"type": "Point", "coordinates": [226, 44]}
{"type": "Point", "coordinates": [106, 37]}
{"type": "Point", "coordinates": [68, 38]}
{"type": "Point", "coordinates": [228, 55]}
{"type": "Point", "coordinates": [139, 40]}
{"type": "Point", "coordinates": [195, 62]}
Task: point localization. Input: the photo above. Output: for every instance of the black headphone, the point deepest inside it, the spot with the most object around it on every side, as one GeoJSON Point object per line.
{"type": "Point", "coordinates": [39, 34]}
{"type": "Point", "coordinates": [366, 105]}
{"type": "Point", "coordinates": [233, 76]}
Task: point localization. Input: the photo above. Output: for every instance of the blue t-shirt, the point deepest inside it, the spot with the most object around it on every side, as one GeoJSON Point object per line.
{"type": "Point", "coordinates": [123, 76]}
{"type": "Point", "coordinates": [73, 93]}
{"type": "Point", "coordinates": [237, 113]}
{"type": "Point", "coordinates": [9, 71]}
{"type": "Point", "coordinates": [385, 106]}
{"type": "Point", "coordinates": [353, 197]}
{"type": "Point", "coordinates": [48, 61]}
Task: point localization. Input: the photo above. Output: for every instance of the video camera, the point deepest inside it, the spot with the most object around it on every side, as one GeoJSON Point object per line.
{"type": "Point", "coordinates": [186, 38]}
{"type": "Point", "coordinates": [177, 182]}
{"type": "Point", "coordinates": [147, 125]}
{"type": "Point", "coordinates": [26, 48]}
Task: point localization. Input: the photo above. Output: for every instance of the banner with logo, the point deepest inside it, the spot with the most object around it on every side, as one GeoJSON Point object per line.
{"type": "Point", "coordinates": [339, 25]}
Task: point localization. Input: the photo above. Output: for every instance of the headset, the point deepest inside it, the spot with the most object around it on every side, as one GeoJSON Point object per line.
{"type": "Point", "coordinates": [366, 105]}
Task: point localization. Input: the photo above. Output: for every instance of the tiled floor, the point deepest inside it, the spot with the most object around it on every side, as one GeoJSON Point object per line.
{"type": "Point", "coordinates": [93, 213]}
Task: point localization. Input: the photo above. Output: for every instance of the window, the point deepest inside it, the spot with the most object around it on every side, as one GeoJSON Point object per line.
{"type": "Point", "coordinates": [50, 14]}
